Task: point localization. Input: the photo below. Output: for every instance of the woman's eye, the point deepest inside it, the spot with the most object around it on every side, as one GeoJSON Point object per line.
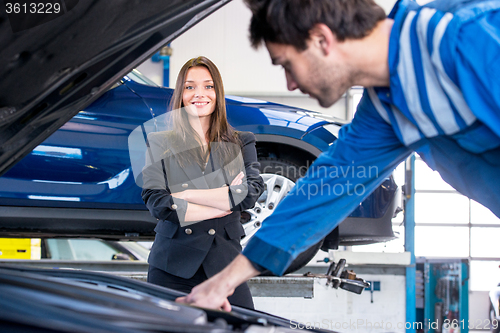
{"type": "Point", "coordinates": [210, 87]}
{"type": "Point", "coordinates": [189, 87]}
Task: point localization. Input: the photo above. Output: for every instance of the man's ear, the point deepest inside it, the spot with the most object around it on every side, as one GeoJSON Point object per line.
{"type": "Point", "coordinates": [321, 36]}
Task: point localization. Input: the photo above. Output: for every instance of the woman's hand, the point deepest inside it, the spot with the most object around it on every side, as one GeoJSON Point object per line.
{"type": "Point", "coordinates": [238, 180]}
{"type": "Point", "coordinates": [217, 197]}
{"type": "Point", "coordinates": [184, 195]}
{"type": "Point", "coordinates": [222, 213]}
{"type": "Point", "coordinates": [196, 213]}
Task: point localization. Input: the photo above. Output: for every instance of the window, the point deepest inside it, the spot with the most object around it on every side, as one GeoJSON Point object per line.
{"type": "Point", "coordinates": [80, 249]}
{"type": "Point", "coordinates": [451, 225]}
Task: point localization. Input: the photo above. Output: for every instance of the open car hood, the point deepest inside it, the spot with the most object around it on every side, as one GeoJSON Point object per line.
{"type": "Point", "coordinates": [52, 66]}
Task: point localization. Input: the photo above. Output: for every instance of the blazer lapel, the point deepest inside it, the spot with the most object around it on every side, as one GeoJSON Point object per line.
{"type": "Point", "coordinates": [193, 172]}
{"type": "Point", "coordinates": [195, 175]}
{"type": "Point", "coordinates": [214, 173]}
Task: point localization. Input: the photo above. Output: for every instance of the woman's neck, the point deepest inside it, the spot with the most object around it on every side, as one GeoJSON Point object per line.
{"type": "Point", "coordinates": [201, 126]}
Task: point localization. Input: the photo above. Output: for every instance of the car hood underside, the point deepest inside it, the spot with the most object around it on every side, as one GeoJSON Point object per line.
{"type": "Point", "coordinates": [51, 69]}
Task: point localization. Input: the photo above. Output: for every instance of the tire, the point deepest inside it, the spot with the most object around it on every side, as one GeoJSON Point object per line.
{"type": "Point", "coordinates": [280, 175]}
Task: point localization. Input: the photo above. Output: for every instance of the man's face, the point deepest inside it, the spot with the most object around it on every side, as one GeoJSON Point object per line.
{"type": "Point", "coordinates": [324, 78]}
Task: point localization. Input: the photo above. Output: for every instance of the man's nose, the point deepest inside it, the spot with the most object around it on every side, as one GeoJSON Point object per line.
{"type": "Point", "coordinates": [290, 82]}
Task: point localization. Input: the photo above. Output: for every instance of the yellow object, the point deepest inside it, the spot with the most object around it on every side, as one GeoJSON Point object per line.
{"type": "Point", "coordinates": [20, 248]}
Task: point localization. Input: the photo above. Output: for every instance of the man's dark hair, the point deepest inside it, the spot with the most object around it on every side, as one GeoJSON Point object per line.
{"type": "Point", "coordinates": [290, 21]}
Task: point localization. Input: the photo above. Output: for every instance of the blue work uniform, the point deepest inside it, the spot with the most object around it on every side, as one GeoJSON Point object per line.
{"type": "Point", "coordinates": [443, 102]}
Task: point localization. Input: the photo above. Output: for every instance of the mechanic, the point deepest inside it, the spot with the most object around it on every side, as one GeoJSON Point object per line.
{"type": "Point", "coordinates": [432, 85]}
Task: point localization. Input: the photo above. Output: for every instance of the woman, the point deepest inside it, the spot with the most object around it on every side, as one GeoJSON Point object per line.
{"type": "Point", "coordinates": [198, 177]}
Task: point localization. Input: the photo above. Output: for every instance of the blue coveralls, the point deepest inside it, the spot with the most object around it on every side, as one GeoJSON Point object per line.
{"type": "Point", "coordinates": [443, 102]}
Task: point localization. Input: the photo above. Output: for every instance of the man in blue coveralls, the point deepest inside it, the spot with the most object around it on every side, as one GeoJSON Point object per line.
{"type": "Point", "coordinates": [432, 85]}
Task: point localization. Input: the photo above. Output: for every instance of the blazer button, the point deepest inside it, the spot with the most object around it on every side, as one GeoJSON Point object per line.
{"type": "Point", "coordinates": [238, 190]}
{"type": "Point", "coordinates": [174, 206]}
{"type": "Point", "coordinates": [185, 185]}
{"type": "Point", "coordinates": [188, 231]}
{"type": "Point", "coordinates": [211, 232]}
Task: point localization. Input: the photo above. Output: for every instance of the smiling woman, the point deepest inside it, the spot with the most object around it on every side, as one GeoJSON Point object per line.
{"type": "Point", "coordinates": [198, 177]}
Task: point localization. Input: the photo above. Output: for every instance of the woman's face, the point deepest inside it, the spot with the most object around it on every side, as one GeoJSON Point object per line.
{"type": "Point", "coordinates": [199, 94]}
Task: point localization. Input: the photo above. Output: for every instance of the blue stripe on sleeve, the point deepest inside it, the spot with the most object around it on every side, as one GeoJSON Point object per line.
{"type": "Point", "coordinates": [406, 69]}
{"type": "Point", "coordinates": [426, 81]}
{"type": "Point", "coordinates": [437, 105]}
{"type": "Point", "coordinates": [451, 89]}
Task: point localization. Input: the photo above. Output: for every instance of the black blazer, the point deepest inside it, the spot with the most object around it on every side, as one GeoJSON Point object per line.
{"type": "Point", "coordinates": [180, 248]}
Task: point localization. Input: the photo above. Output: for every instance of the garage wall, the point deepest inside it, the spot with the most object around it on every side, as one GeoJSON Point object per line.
{"type": "Point", "coordinates": [342, 311]}
{"type": "Point", "coordinates": [479, 310]}
{"type": "Point", "coordinates": [223, 37]}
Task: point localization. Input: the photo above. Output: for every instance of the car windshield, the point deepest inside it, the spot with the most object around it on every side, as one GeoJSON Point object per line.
{"type": "Point", "coordinates": [138, 77]}
{"type": "Point", "coordinates": [140, 250]}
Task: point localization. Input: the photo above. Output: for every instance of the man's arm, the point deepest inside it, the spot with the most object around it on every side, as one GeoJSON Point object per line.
{"type": "Point", "coordinates": [470, 58]}
{"type": "Point", "coordinates": [308, 214]}
{"type": "Point", "coordinates": [213, 293]}
{"type": "Point", "coordinates": [365, 154]}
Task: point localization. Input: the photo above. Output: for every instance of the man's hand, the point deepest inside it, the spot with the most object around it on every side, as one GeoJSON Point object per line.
{"type": "Point", "coordinates": [208, 295]}
{"type": "Point", "coordinates": [213, 293]}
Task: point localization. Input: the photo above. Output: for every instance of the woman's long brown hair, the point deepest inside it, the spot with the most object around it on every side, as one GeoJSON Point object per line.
{"type": "Point", "coordinates": [219, 129]}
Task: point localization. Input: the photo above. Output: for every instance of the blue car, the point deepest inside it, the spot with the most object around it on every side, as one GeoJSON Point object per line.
{"type": "Point", "coordinates": [79, 181]}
